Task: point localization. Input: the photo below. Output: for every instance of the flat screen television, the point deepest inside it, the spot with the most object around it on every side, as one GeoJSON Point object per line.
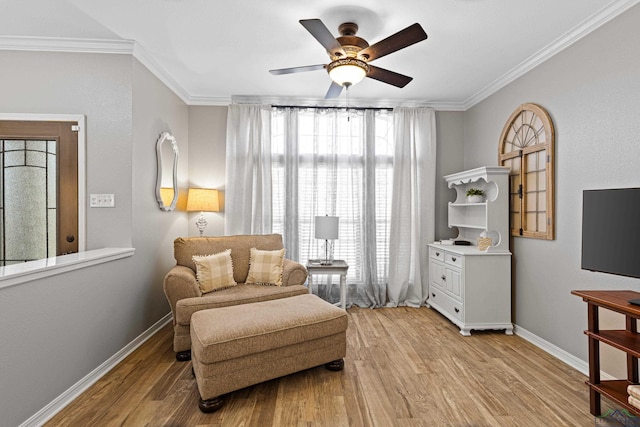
{"type": "Point", "coordinates": [611, 231]}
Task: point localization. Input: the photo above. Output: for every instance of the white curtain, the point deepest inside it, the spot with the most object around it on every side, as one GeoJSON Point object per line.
{"type": "Point", "coordinates": [334, 162]}
{"type": "Point", "coordinates": [413, 206]}
{"type": "Point", "coordinates": [248, 170]}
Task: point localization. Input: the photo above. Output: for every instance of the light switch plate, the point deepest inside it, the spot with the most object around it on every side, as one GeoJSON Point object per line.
{"type": "Point", "coordinates": [102, 200]}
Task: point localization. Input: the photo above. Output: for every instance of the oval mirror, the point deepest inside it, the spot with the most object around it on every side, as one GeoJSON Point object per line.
{"type": "Point", "coordinates": [167, 180]}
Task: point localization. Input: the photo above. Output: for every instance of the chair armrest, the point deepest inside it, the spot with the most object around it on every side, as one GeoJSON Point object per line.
{"type": "Point", "coordinates": [293, 273]}
{"type": "Point", "coordinates": [180, 283]}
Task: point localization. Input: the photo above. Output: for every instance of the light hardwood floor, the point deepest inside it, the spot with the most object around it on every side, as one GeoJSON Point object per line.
{"type": "Point", "coordinates": [404, 367]}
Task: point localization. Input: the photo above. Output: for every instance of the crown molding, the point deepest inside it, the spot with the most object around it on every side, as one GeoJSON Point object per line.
{"type": "Point", "coordinates": [209, 100]}
{"type": "Point", "coordinates": [60, 44]}
{"type": "Point", "coordinates": [140, 53]}
{"type": "Point", "coordinates": [587, 26]}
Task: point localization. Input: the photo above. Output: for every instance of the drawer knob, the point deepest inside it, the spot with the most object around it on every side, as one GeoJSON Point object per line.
{"type": "Point", "coordinates": [433, 295]}
{"type": "Point", "coordinates": [437, 253]}
{"type": "Point", "coordinates": [443, 277]}
{"type": "Point", "coordinates": [457, 310]}
{"type": "Point", "coordinates": [453, 259]}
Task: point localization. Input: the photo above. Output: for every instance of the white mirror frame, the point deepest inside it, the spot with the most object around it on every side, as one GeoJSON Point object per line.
{"type": "Point", "coordinates": [167, 137]}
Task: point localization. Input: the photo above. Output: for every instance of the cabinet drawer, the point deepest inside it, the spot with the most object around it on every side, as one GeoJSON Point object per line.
{"type": "Point", "coordinates": [436, 254]}
{"type": "Point", "coordinates": [448, 304]}
{"type": "Point", "coordinates": [454, 260]}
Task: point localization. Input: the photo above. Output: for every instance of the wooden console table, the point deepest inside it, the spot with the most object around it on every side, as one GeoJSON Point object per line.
{"type": "Point", "coordinates": [627, 340]}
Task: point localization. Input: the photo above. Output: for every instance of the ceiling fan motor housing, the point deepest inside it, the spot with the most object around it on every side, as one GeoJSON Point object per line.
{"type": "Point", "coordinates": [351, 44]}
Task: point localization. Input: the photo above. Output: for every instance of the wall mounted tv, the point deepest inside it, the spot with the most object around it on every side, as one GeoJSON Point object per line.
{"type": "Point", "coordinates": [611, 231]}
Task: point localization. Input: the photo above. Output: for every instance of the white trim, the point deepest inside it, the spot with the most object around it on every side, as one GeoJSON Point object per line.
{"type": "Point", "coordinates": [590, 24]}
{"type": "Point", "coordinates": [568, 358]}
{"type": "Point", "coordinates": [16, 274]}
{"type": "Point", "coordinates": [163, 75]}
{"type": "Point", "coordinates": [60, 402]}
{"type": "Point", "coordinates": [62, 44]}
{"type": "Point", "coordinates": [82, 161]}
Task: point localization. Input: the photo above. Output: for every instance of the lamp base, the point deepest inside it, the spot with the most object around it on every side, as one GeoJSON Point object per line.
{"type": "Point", "coordinates": [328, 253]}
{"type": "Point", "coordinates": [201, 223]}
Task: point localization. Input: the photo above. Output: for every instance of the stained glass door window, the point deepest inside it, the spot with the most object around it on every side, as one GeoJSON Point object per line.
{"type": "Point", "coordinates": [27, 200]}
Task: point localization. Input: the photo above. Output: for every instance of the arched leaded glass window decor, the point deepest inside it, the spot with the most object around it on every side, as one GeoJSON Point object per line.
{"type": "Point", "coordinates": [527, 147]}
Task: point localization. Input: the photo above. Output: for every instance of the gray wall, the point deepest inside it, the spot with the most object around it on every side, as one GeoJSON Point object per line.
{"type": "Point", "coordinates": [57, 330]}
{"type": "Point", "coordinates": [591, 92]}
{"type": "Point", "coordinates": [450, 159]}
{"type": "Point", "coordinates": [207, 143]}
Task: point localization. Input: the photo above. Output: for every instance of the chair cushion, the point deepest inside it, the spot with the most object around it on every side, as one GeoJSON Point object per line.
{"type": "Point", "coordinates": [265, 267]}
{"type": "Point", "coordinates": [214, 272]}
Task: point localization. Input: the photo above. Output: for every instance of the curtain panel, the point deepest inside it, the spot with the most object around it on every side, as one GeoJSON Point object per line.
{"type": "Point", "coordinates": [413, 205]}
{"type": "Point", "coordinates": [248, 170]}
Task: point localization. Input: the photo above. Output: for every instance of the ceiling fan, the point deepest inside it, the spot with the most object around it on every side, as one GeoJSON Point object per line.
{"type": "Point", "coordinates": [351, 55]}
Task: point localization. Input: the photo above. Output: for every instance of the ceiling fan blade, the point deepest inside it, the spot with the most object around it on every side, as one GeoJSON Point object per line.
{"type": "Point", "coordinates": [324, 36]}
{"type": "Point", "coordinates": [334, 91]}
{"type": "Point", "coordinates": [404, 38]}
{"type": "Point", "coordinates": [389, 77]}
{"type": "Point", "coordinates": [297, 69]}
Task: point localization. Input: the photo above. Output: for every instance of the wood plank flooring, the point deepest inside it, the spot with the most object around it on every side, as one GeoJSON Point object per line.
{"type": "Point", "coordinates": [404, 367]}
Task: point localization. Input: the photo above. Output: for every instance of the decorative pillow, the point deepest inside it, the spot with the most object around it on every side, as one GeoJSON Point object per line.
{"type": "Point", "coordinates": [265, 267]}
{"type": "Point", "coordinates": [214, 272]}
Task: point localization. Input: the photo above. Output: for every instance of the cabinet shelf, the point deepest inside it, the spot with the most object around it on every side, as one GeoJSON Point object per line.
{"type": "Point", "coordinates": [469, 204]}
{"type": "Point", "coordinates": [474, 226]}
{"type": "Point", "coordinates": [626, 340]}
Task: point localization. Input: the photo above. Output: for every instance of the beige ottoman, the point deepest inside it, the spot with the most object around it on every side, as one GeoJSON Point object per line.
{"type": "Point", "coordinates": [238, 346]}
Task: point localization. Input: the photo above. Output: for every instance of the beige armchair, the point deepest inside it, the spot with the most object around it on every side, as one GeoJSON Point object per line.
{"type": "Point", "coordinates": [185, 297]}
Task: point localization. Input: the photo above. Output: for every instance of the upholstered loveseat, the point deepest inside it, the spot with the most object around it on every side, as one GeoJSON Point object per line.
{"type": "Point", "coordinates": [186, 297]}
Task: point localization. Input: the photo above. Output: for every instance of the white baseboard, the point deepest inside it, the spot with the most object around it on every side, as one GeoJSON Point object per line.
{"type": "Point", "coordinates": [46, 413]}
{"type": "Point", "coordinates": [578, 364]}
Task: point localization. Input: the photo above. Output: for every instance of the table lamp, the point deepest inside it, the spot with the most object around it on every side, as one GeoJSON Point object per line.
{"type": "Point", "coordinates": [203, 200]}
{"type": "Point", "coordinates": [327, 229]}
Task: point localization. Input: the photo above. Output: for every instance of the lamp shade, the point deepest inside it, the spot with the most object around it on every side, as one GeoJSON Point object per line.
{"type": "Point", "coordinates": [327, 227]}
{"type": "Point", "coordinates": [203, 200]}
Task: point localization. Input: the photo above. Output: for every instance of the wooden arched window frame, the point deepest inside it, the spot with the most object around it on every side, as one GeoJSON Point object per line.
{"type": "Point", "coordinates": [527, 147]}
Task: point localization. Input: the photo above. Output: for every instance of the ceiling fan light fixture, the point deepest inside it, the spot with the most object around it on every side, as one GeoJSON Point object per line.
{"type": "Point", "coordinates": [347, 71]}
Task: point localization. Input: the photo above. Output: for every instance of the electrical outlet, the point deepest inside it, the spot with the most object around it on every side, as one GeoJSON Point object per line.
{"type": "Point", "coordinates": [102, 200]}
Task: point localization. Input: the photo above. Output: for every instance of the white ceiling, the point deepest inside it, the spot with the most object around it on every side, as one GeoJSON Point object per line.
{"type": "Point", "coordinates": [213, 52]}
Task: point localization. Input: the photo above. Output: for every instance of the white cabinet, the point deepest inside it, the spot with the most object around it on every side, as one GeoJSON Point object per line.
{"type": "Point", "coordinates": [470, 287]}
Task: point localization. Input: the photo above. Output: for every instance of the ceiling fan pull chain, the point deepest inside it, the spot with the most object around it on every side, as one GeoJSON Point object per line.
{"type": "Point", "coordinates": [348, 111]}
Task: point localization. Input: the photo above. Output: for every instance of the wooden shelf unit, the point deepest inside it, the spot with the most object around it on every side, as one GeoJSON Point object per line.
{"type": "Point", "coordinates": [627, 340]}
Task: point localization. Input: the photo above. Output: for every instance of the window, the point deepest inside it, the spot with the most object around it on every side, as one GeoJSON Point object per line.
{"type": "Point", "coordinates": [334, 162]}
{"type": "Point", "coordinates": [527, 147]}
